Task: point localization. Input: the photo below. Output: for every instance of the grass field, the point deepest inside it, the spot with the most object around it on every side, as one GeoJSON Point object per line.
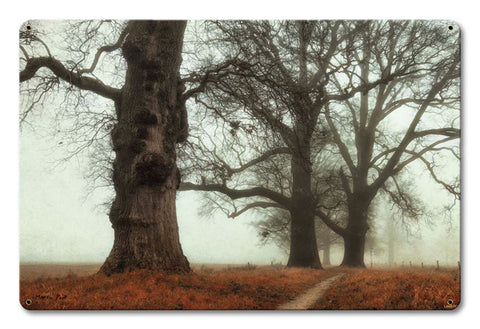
{"type": "Point", "coordinates": [232, 287]}
{"type": "Point", "coordinates": [394, 289]}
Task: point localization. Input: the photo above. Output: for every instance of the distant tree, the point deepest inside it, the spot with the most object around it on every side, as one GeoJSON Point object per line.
{"type": "Point", "coordinates": [413, 117]}
{"type": "Point", "coordinates": [327, 194]}
{"type": "Point", "coordinates": [276, 228]}
{"type": "Point", "coordinates": [147, 118]}
{"type": "Point", "coordinates": [272, 103]}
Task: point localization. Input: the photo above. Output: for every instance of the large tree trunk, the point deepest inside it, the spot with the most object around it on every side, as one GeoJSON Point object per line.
{"type": "Point", "coordinates": [354, 238]}
{"type": "Point", "coordinates": [145, 174]}
{"type": "Point", "coordinates": [303, 243]}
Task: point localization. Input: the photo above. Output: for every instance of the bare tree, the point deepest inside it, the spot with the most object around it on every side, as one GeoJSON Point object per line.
{"type": "Point", "coordinates": [422, 105]}
{"type": "Point", "coordinates": [275, 228]}
{"type": "Point", "coordinates": [285, 79]}
{"type": "Point", "coordinates": [327, 195]}
{"type": "Point", "coordinates": [149, 119]}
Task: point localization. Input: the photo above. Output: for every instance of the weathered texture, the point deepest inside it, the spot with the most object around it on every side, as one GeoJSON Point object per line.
{"type": "Point", "coordinates": [145, 178]}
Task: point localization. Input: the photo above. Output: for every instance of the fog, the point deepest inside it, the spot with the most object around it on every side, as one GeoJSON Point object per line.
{"type": "Point", "coordinates": [60, 223]}
{"type": "Point", "coordinates": [61, 220]}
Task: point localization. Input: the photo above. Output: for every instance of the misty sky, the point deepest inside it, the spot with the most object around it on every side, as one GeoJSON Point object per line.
{"type": "Point", "coordinates": [58, 223]}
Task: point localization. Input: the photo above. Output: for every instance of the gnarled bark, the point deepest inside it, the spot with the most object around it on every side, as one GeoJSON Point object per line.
{"type": "Point", "coordinates": [145, 174]}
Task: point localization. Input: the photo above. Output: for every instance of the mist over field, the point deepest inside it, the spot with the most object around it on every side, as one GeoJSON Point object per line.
{"type": "Point", "coordinates": [60, 223]}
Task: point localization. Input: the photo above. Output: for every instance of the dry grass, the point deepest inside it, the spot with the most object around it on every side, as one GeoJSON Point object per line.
{"type": "Point", "coordinates": [412, 289]}
{"type": "Point", "coordinates": [231, 289]}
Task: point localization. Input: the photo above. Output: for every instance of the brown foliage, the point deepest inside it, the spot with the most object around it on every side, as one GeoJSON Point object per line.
{"type": "Point", "coordinates": [243, 288]}
{"type": "Point", "coordinates": [394, 290]}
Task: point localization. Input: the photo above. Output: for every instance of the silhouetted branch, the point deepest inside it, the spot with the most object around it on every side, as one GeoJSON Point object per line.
{"type": "Point", "coordinates": [253, 205]}
{"type": "Point", "coordinates": [106, 49]}
{"type": "Point", "coordinates": [238, 194]}
{"type": "Point", "coordinates": [84, 83]}
{"type": "Point", "coordinates": [330, 223]}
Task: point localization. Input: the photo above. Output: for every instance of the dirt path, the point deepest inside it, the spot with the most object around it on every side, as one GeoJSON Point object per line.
{"type": "Point", "coordinates": [311, 296]}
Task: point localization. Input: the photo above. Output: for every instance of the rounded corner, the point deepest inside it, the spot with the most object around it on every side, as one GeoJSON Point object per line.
{"type": "Point", "coordinates": [456, 26]}
{"type": "Point", "coordinates": [457, 306]}
{"type": "Point", "coordinates": [23, 24]}
{"type": "Point", "coordinates": [24, 305]}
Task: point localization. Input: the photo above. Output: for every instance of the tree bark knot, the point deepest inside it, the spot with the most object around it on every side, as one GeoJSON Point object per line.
{"type": "Point", "coordinates": [153, 169]}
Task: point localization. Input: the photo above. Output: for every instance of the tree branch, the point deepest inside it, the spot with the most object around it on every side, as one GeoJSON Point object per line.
{"type": "Point", "coordinates": [449, 132]}
{"type": "Point", "coordinates": [448, 187]}
{"type": "Point", "coordinates": [211, 75]}
{"type": "Point", "coordinates": [258, 204]}
{"type": "Point", "coordinates": [263, 157]}
{"type": "Point", "coordinates": [365, 87]}
{"type": "Point", "coordinates": [238, 194]}
{"type": "Point", "coordinates": [416, 155]}
{"type": "Point", "coordinates": [330, 223]}
{"type": "Point", "coordinates": [106, 49]}
{"type": "Point", "coordinates": [340, 144]}
{"type": "Point", "coordinates": [410, 134]}
{"type": "Point", "coordinates": [85, 83]}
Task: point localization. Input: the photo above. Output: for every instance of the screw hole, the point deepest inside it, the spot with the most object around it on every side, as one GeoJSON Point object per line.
{"type": "Point", "coordinates": [450, 27]}
{"type": "Point", "coordinates": [28, 302]}
{"type": "Point", "coordinates": [28, 27]}
{"type": "Point", "coordinates": [449, 302]}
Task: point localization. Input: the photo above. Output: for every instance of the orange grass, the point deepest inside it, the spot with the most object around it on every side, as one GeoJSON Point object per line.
{"type": "Point", "coordinates": [223, 290]}
{"type": "Point", "coordinates": [393, 290]}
